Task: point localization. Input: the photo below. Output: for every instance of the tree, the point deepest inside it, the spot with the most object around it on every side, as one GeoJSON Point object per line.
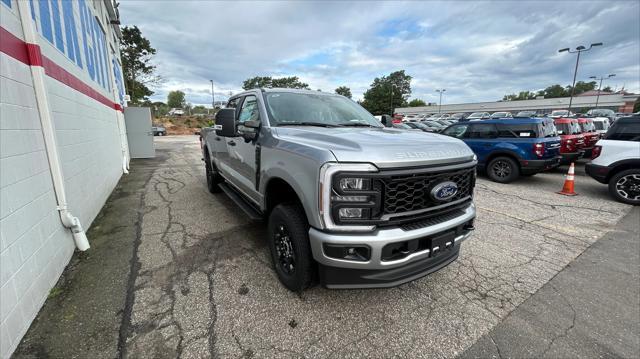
{"type": "Point", "coordinates": [344, 91]}
{"type": "Point", "coordinates": [387, 92]}
{"type": "Point", "coordinates": [416, 102]}
{"type": "Point", "coordinates": [175, 99]}
{"type": "Point", "coordinates": [582, 87]}
{"type": "Point", "coordinates": [522, 95]}
{"type": "Point", "coordinates": [554, 91]}
{"type": "Point", "coordinates": [269, 82]}
{"type": "Point", "coordinates": [257, 82]}
{"type": "Point", "coordinates": [607, 89]}
{"type": "Point", "coordinates": [136, 54]}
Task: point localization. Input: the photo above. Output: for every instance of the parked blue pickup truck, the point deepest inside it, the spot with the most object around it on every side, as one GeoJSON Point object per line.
{"type": "Point", "coordinates": [508, 148]}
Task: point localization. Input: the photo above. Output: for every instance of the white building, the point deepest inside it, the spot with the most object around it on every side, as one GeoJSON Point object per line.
{"type": "Point", "coordinates": [617, 102]}
{"type": "Point", "coordinates": [63, 145]}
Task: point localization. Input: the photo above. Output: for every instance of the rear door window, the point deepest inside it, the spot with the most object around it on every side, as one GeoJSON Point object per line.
{"type": "Point", "coordinates": [482, 130]}
{"type": "Point", "coordinates": [629, 131]}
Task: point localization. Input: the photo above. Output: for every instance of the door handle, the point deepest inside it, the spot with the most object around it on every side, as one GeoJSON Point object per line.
{"type": "Point", "coordinates": [231, 143]}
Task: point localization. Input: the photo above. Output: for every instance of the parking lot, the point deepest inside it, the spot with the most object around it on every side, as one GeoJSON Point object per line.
{"type": "Point", "coordinates": [201, 282]}
{"type": "Point", "coordinates": [204, 284]}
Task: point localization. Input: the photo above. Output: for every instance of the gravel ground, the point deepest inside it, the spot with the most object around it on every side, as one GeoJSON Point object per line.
{"type": "Point", "coordinates": [203, 283]}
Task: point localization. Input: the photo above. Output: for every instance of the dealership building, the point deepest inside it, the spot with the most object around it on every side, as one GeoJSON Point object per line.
{"type": "Point", "coordinates": [618, 102]}
{"type": "Point", "coordinates": [63, 144]}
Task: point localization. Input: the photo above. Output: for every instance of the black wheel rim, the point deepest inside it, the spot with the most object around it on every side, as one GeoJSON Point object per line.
{"type": "Point", "coordinates": [502, 169]}
{"type": "Point", "coordinates": [629, 187]}
{"type": "Point", "coordinates": [284, 250]}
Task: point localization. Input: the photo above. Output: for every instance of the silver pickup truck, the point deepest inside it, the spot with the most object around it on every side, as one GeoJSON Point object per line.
{"type": "Point", "coordinates": [348, 202]}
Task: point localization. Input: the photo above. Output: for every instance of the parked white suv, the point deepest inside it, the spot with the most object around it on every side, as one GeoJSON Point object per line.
{"type": "Point", "coordinates": [616, 160]}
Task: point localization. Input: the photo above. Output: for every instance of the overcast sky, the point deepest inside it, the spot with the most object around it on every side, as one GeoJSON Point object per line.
{"type": "Point", "coordinates": [477, 51]}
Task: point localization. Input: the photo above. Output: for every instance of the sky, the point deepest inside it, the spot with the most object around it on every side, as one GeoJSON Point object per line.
{"type": "Point", "coordinates": [477, 51]}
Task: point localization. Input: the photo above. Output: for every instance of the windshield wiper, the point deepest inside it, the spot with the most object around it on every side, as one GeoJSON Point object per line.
{"type": "Point", "coordinates": [318, 124]}
{"type": "Point", "coordinates": [357, 124]}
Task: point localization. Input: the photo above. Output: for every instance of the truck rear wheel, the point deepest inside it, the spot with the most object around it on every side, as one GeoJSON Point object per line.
{"type": "Point", "coordinates": [288, 235]}
{"type": "Point", "coordinates": [213, 177]}
{"type": "Point", "coordinates": [624, 186]}
{"type": "Point", "coordinates": [503, 170]}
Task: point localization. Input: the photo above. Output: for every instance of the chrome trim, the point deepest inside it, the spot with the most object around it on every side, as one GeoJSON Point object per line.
{"type": "Point", "coordinates": [386, 217]}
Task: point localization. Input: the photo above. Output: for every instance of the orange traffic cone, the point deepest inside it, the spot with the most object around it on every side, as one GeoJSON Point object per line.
{"type": "Point", "coordinates": [567, 189]}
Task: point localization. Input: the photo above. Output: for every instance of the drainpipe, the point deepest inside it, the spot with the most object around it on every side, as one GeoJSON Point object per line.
{"type": "Point", "coordinates": [48, 131]}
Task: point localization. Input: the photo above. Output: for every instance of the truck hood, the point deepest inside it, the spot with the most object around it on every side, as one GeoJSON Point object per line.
{"type": "Point", "coordinates": [384, 147]}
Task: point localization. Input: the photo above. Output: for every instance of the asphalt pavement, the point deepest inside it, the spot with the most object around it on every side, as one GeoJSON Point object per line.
{"type": "Point", "coordinates": [200, 281]}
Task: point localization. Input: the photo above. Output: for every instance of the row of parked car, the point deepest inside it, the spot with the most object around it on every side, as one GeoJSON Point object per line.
{"type": "Point", "coordinates": [463, 116]}
{"type": "Point", "coordinates": [508, 148]}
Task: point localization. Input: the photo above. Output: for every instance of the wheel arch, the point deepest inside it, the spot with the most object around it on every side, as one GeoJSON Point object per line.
{"type": "Point", "coordinates": [622, 165]}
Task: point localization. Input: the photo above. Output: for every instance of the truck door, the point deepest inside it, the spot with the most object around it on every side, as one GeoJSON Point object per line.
{"type": "Point", "coordinates": [481, 138]}
{"type": "Point", "coordinates": [242, 153]}
{"type": "Point", "coordinates": [219, 150]}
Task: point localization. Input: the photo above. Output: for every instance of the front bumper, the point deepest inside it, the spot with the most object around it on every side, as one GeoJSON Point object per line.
{"type": "Point", "coordinates": [535, 166]}
{"type": "Point", "coordinates": [378, 272]}
{"type": "Point", "coordinates": [599, 173]}
{"type": "Point", "coordinates": [569, 157]}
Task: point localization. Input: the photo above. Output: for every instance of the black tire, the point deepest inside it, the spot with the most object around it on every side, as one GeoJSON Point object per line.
{"type": "Point", "coordinates": [624, 186]}
{"type": "Point", "coordinates": [503, 170]}
{"type": "Point", "coordinates": [288, 236]}
{"type": "Point", "coordinates": [213, 177]}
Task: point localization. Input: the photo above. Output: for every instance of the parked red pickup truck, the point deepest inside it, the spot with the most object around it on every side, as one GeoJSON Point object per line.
{"type": "Point", "coordinates": [571, 139]}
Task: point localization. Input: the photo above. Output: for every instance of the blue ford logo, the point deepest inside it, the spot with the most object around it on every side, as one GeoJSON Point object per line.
{"type": "Point", "coordinates": [443, 191]}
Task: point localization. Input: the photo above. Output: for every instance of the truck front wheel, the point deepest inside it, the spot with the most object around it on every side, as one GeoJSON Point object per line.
{"type": "Point", "coordinates": [288, 235]}
{"type": "Point", "coordinates": [213, 177]}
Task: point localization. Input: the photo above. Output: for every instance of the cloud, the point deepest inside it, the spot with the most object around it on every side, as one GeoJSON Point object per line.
{"type": "Point", "coordinates": [478, 51]}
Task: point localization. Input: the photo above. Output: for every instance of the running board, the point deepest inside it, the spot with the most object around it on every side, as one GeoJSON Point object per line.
{"type": "Point", "coordinates": [241, 202]}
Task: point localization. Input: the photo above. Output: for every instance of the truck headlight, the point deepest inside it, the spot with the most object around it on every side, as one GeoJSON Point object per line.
{"type": "Point", "coordinates": [346, 196]}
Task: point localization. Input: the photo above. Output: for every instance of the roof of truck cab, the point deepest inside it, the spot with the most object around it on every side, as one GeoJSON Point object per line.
{"type": "Point", "coordinates": [515, 120]}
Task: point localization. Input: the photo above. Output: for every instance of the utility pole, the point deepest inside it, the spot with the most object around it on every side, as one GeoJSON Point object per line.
{"type": "Point", "coordinates": [213, 98]}
{"type": "Point", "coordinates": [391, 99]}
{"type": "Point", "coordinates": [600, 87]}
{"type": "Point", "coordinates": [440, 91]}
{"type": "Point", "coordinates": [580, 49]}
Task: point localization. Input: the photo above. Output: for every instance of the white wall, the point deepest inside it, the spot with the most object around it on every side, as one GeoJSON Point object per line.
{"type": "Point", "coordinates": [34, 246]}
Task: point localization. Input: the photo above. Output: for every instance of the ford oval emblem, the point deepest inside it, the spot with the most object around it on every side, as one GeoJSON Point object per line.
{"type": "Point", "coordinates": [444, 191]}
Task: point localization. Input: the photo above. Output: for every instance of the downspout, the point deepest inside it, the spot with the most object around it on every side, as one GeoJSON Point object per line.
{"type": "Point", "coordinates": [48, 130]}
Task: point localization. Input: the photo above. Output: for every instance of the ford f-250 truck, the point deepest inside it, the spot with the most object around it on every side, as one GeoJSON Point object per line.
{"type": "Point", "coordinates": [348, 202]}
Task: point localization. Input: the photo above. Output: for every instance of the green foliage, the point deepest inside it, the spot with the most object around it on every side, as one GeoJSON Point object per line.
{"type": "Point", "coordinates": [269, 82]}
{"type": "Point", "coordinates": [175, 99]}
{"type": "Point", "coordinates": [199, 110]}
{"type": "Point", "coordinates": [607, 89]}
{"type": "Point", "coordinates": [416, 102]}
{"type": "Point", "coordinates": [344, 91]}
{"type": "Point", "coordinates": [387, 92]}
{"type": "Point", "coordinates": [136, 54]}
{"type": "Point", "coordinates": [553, 91]}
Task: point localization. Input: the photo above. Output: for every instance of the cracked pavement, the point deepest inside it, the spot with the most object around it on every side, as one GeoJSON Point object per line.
{"type": "Point", "coordinates": [202, 283]}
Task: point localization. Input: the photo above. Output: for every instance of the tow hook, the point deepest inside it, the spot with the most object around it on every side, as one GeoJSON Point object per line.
{"type": "Point", "coordinates": [469, 227]}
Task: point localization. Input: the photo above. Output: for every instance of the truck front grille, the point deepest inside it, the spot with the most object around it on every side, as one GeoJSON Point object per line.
{"type": "Point", "coordinates": [411, 192]}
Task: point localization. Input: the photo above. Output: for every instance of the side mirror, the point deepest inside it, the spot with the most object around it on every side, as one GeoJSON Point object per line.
{"type": "Point", "coordinates": [226, 122]}
{"type": "Point", "coordinates": [249, 130]}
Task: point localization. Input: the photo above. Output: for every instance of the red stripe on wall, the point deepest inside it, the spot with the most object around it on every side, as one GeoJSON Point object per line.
{"type": "Point", "coordinates": [13, 46]}
{"type": "Point", "coordinates": [30, 54]}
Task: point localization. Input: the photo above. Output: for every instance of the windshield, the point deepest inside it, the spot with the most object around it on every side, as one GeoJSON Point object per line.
{"type": "Point", "coordinates": [601, 112]}
{"type": "Point", "coordinates": [587, 127]}
{"type": "Point", "coordinates": [559, 113]}
{"type": "Point", "coordinates": [568, 128]}
{"type": "Point", "coordinates": [477, 114]}
{"type": "Point", "coordinates": [286, 108]}
{"type": "Point", "coordinates": [525, 114]}
{"type": "Point", "coordinates": [599, 125]}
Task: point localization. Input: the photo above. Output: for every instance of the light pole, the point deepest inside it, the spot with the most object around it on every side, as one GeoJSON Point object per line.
{"type": "Point", "coordinates": [580, 49]}
{"type": "Point", "coordinates": [600, 87]}
{"type": "Point", "coordinates": [440, 91]}
{"type": "Point", "coordinates": [391, 99]}
{"type": "Point", "coordinates": [213, 97]}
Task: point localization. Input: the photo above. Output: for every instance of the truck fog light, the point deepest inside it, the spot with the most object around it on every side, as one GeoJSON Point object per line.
{"type": "Point", "coordinates": [350, 212]}
{"type": "Point", "coordinates": [349, 252]}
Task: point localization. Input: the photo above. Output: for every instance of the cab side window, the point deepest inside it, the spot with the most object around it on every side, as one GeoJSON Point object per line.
{"type": "Point", "coordinates": [249, 111]}
{"type": "Point", "coordinates": [457, 131]}
{"type": "Point", "coordinates": [233, 103]}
